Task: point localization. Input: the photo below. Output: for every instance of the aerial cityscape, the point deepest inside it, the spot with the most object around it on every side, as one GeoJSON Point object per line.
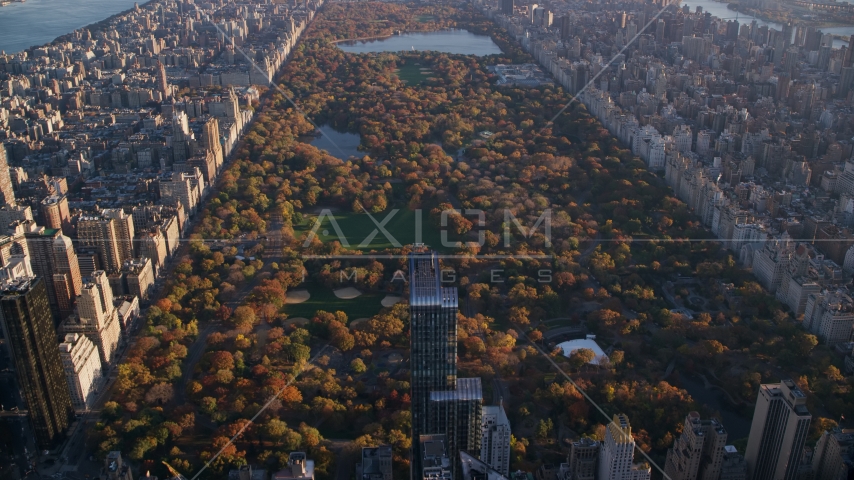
{"type": "Point", "coordinates": [471, 240]}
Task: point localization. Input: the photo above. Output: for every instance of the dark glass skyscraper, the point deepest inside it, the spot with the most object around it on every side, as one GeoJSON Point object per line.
{"type": "Point", "coordinates": [440, 403]}
{"type": "Point", "coordinates": [458, 414]}
{"type": "Point", "coordinates": [507, 7]}
{"type": "Point", "coordinates": [28, 326]}
{"type": "Point", "coordinates": [433, 337]}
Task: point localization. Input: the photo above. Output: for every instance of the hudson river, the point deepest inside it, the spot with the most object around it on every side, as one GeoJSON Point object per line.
{"type": "Point", "coordinates": [720, 10]}
{"type": "Point", "coordinates": [37, 22]}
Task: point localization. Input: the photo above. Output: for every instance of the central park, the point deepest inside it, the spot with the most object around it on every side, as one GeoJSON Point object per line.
{"type": "Point", "coordinates": [267, 282]}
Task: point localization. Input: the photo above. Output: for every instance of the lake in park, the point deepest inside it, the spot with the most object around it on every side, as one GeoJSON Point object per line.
{"type": "Point", "coordinates": [460, 42]}
{"type": "Point", "coordinates": [342, 145]}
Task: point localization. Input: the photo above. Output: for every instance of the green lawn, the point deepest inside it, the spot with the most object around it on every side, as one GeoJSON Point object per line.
{"type": "Point", "coordinates": [322, 298]}
{"type": "Point", "coordinates": [425, 18]}
{"type": "Point", "coordinates": [412, 74]}
{"type": "Point", "coordinates": [356, 227]}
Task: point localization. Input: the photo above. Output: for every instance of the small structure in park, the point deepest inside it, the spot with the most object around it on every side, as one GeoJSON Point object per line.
{"type": "Point", "coordinates": [572, 345]}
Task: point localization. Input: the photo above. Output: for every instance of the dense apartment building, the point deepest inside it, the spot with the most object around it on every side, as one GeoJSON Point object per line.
{"type": "Point", "coordinates": [55, 213]}
{"type": "Point", "coordinates": [582, 462]}
{"type": "Point", "coordinates": [833, 456]}
{"type": "Point", "coordinates": [616, 454]}
{"type": "Point", "coordinates": [830, 316]}
{"type": "Point", "coordinates": [82, 364]}
{"type": "Point", "coordinates": [96, 317]}
{"type": "Point", "coordinates": [434, 463]}
{"type": "Point", "coordinates": [375, 464]}
{"type": "Point", "coordinates": [734, 466]}
{"type": "Point", "coordinates": [104, 234]}
{"type": "Point", "coordinates": [495, 441]}
{"type": "Point", "coordinates": [698, 452]}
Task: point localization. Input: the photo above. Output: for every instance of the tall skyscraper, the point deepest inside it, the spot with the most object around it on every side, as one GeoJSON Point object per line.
{"type": "Point", "coordinates": [180, 127]}
{"type": "Point", "coordinates": [7, 194]}
{"type": "Point", "coordinates": [232, 108]}
{"type": "Point", "coordinates": [847, 58]}
{"type": "Point", "coordinates": [124, 231]}
{"type": "Point", "coordinates": [495, 441]}
{"type": "Point", "coordinates": [617, 453]}
{"type": "Point", "coordinates": [457, 414]}
{"type": "Point", "coordinates": [433, 337]}
{"type": "Point", "coordinates": [210, 140]}
{"type": "Point", "coordinates": [507, 7]}
{"type": "Point", "coordinates": [698, 452]}
{"type": "Point", "coordinates": [66, 274]}
{"type": "Point", "coordinates": [162, 83]}
{"type": "Point", "coordinates": [101, 281]}
{"type": "Point", "coordinates": [40, 249]}
{"type": "Point", "coordinates": [28, 326]}
{"type": "Point", "coordinates": [780, 426]}
{"type": "Point", "coordinates": [441, 403]}
{"type": "Point", "coordinates": [53, 258]}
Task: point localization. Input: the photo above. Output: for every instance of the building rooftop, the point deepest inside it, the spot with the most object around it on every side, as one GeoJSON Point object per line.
{"type": "Point", "coordinates": [474, 469]}
{"type": "Point", "coordinates": [572, 345]}
{"type": "Point", "coordinates": [467, 389]}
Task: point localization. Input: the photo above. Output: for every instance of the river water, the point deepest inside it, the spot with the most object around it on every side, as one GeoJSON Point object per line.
{"type": "Point", "coordinates": [37, 22]}
{"type": "Point", "coordinates": [720, 10]}
{"type": "Point", "coordinates": [460, 42]}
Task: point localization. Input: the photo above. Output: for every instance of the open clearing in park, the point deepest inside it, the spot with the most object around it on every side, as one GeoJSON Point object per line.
{"type": "Point", "coordinates": [356, 227]}
{"type": "Point", "coordinates": [413, 74]}
{"type": "Point", "coordinates": [347, 293]}
{"type": "Point", "coordinates": [296, 296]}
{"type": "Point", "coordinates": [390, 300]}
{"type": "Point", "coordinates": [321, 298]}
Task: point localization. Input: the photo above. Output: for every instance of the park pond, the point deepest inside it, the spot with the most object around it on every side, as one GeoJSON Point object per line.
{"type": "Point", "coordinates": [460, 42]}
{"type": "Point", "coordinates": [341, 145]}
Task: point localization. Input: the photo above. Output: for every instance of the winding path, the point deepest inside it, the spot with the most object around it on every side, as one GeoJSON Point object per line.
{"type": "Point", "coordinates": [194, 354]}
